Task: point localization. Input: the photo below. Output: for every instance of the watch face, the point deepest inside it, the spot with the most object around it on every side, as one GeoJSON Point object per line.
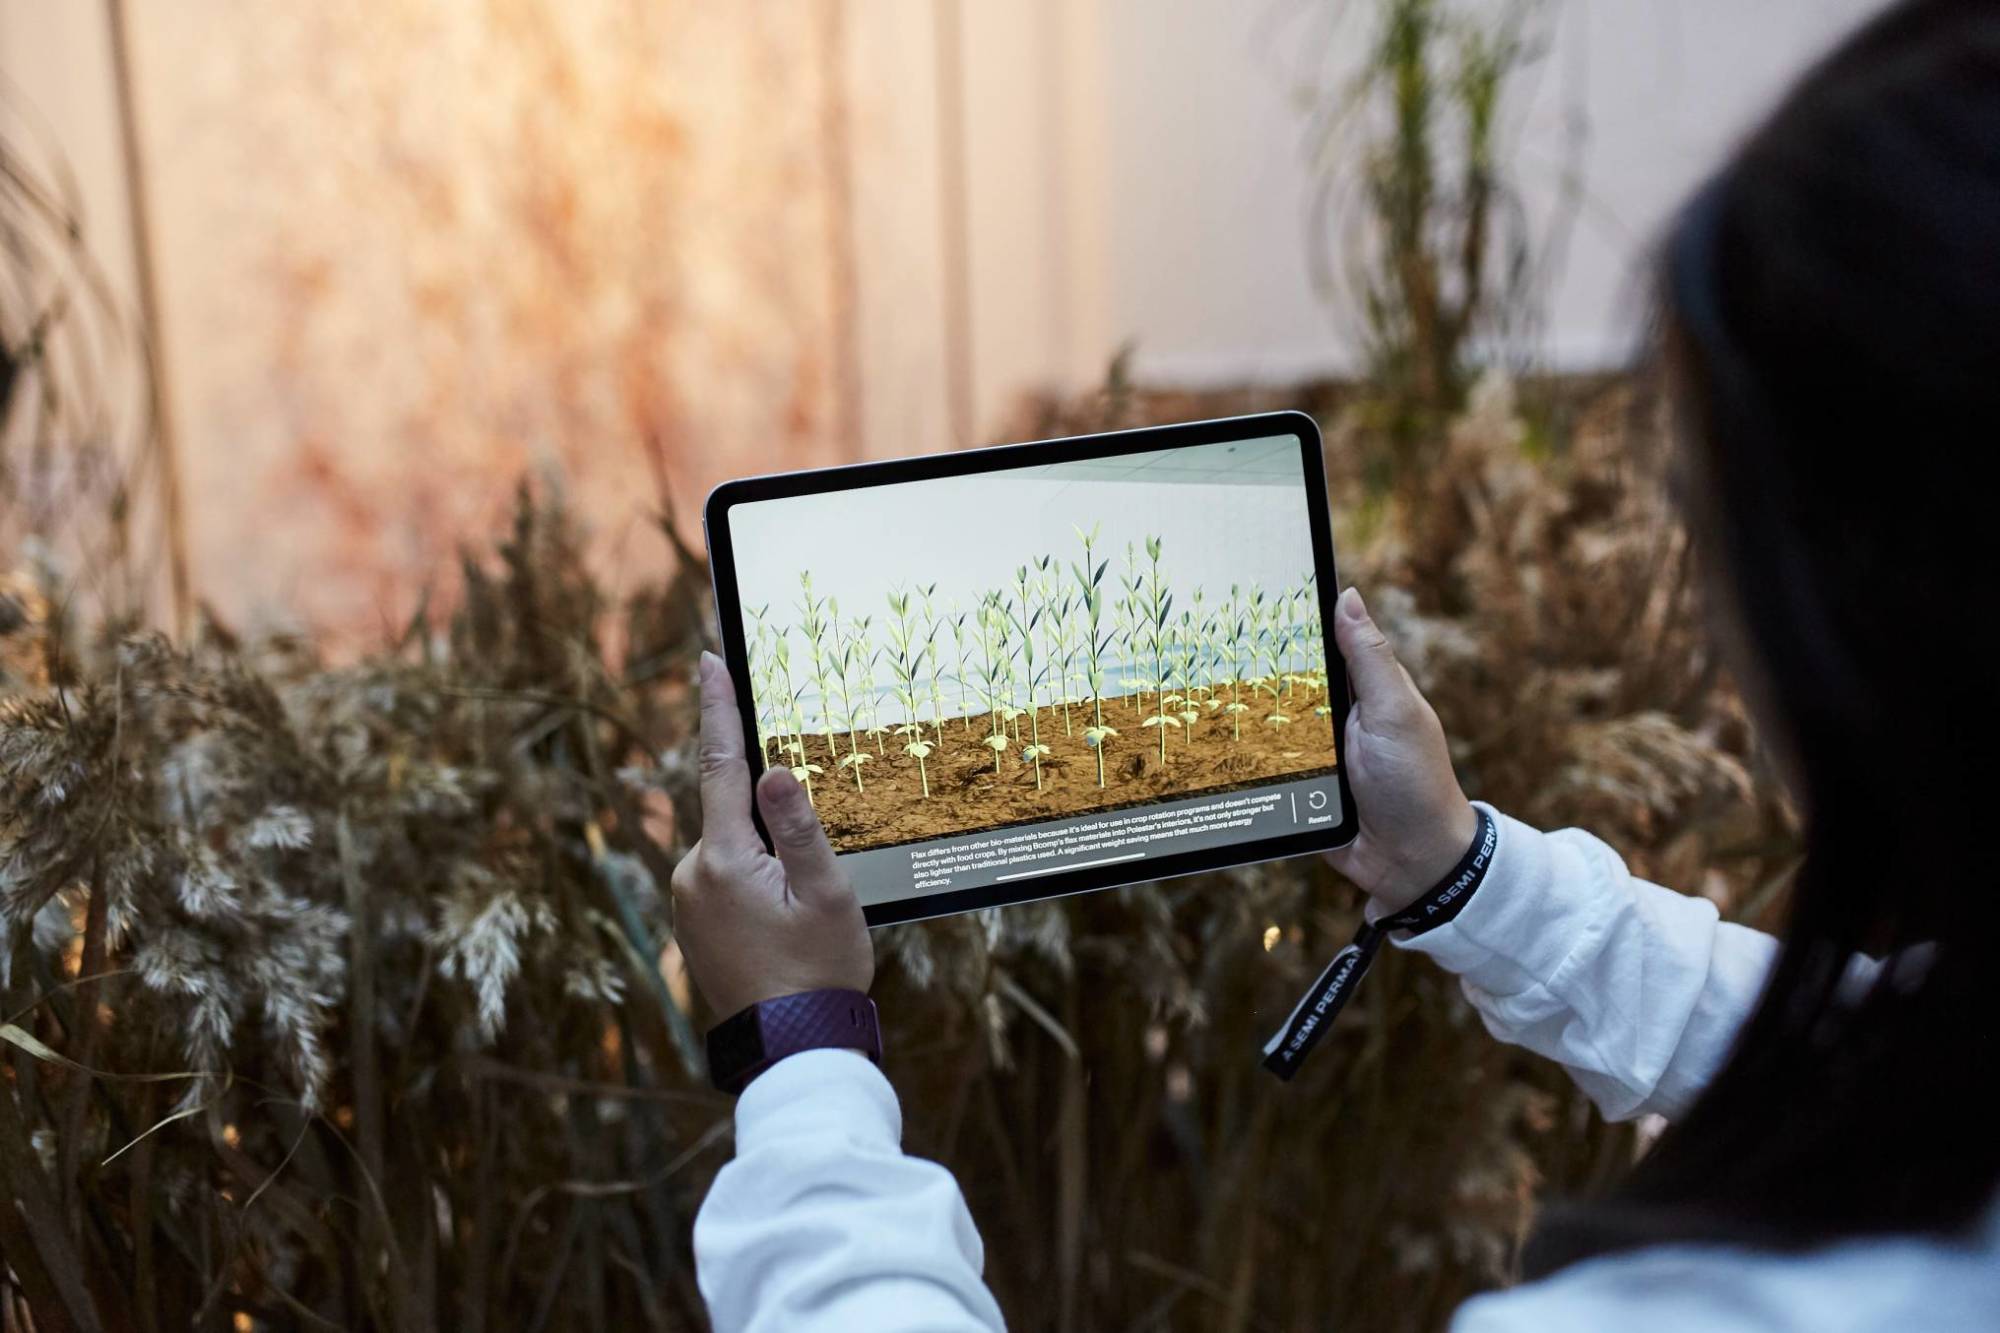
{"type": "Point", "coordinates": [735, 1045]}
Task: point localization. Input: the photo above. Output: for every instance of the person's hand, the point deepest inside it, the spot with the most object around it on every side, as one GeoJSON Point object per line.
{"type": "Point", "coordinates": [1415, 822]}
{"type": "Point", "coordinates": [753, 926]}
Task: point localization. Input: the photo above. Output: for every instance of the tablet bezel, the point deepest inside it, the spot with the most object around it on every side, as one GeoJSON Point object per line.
{"type": "Point", "coordinates": [998, 458]}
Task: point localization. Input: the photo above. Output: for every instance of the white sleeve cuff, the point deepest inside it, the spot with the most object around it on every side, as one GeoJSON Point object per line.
{"type": "Point", "coordinates": [829, 1093]}
{"type": "Point", "coordinates": [1638, 990]}
{"type": "Point", "coordinates": [821, 1221]}
{"type": "Point", "coordinates": [1524, 920]}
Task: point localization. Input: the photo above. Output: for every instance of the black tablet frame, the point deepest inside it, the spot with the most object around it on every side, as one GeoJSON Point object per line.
{"type": "Point", "coordinates": [999, 458]}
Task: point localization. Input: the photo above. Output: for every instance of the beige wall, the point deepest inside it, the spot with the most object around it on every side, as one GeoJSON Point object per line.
{"type": "Point", "coordinates": [409, 249]}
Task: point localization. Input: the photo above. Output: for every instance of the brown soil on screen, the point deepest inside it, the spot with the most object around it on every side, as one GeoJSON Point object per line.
{"type": "Point", "coordinates": [967, 795]}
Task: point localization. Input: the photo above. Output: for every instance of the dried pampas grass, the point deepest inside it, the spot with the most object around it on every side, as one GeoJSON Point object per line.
{"type": "Point", "coordinates": [335, 996]}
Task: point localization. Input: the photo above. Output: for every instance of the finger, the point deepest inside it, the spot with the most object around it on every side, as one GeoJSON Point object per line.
{"type": "Point", "coordinates": [725, 772]}
{"type": "Point", "coordinates": [1377, 678]}
{"type": "Point", "coordinates": [797, 838]}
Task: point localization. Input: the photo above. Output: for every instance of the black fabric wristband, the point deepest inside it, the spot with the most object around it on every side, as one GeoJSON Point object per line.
{"type": "Point", "coordinates": [1288, 1048]}
{"type": "Point", "coordinates": [1449, 896]}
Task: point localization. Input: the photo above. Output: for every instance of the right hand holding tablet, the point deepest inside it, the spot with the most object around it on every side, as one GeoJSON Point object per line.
{"type": "Point", "coordinates": [1415, 822]}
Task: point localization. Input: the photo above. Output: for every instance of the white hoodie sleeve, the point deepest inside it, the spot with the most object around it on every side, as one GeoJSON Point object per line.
{"type": "Point", "coordinates": [821, 1223]}
{"type": "Point", "coordinates": [1639, 991]}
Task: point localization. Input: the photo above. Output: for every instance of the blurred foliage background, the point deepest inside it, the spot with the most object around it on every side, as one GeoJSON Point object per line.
{"type": "Point", "coordinates": [338, 982]}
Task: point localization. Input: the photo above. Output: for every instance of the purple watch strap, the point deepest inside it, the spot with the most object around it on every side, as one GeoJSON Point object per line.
{"type": "Point", "coordinates": [747, 1043]}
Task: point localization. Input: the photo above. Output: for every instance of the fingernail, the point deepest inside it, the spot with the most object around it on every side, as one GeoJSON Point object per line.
{"type": "Point", "coordinates": [1352, 606]}
{"type": "Point", "coordinates": [705, 670]}
{"type": "Point", "coordinates": [781, 788]}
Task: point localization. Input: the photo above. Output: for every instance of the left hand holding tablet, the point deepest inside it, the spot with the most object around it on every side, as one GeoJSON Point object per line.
{"type": "Point", "coordinates": [751, 925]}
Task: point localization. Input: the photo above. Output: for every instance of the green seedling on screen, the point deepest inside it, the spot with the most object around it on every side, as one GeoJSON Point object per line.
{"type": "Point", "coordinates": [1184, 650]}
{"type": "Point", "coordinates": [906, 661]}
{"type": "Point", "coordinates": [1128, 619]}
{"type": "Point", "coordinates": [812, 615]}
{"type": "Point", "coordinates": [1287, 611]}
{"type": "Point", "coordinates": [1239, 656]}
{"type": "Point", "coordinates": [1069, 652]}
{"type": "Point", "coordinates": [991, 646]}
{"type": "Point", "coordinates": [1273, 641]}
{"type": "Point", "coordinates": [1053, 613]}
{"type": "Point", "coordinates": [1211, 660]}
{"type": "Point", "coordinates": [865, 670]}
{"type": "Point", "coordinates": [795, 743]}
{"type": "Point", "coordinates": [1096, 639]}
{"type": "Point", "coordinates": [1025, 618]}
{"type": "Point", "coordinates": [1159, 605]}
{"type": "Point", "coordinates": [932, 624]}
{"type": "Point", "coordinates": [847, 655]}
{"type": "Point", "coordinates": [1273, 681]}
{"type": "Point", "coordinates": [1003, 653]}
{"type": "Point", "coordinates": [785, 696]}
{"type": "Point", "coordinates": [955, 618]}
{"type": "Point", "coordinates": [762, 690]}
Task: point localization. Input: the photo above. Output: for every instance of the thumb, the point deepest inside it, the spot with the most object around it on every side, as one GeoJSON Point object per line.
{"type": "Point", "coordinates": [1374, 674]}
{"type": "Point", "coordinates": [796, 835]}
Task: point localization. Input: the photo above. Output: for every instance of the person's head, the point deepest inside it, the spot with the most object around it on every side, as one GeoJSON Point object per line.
{"type": "Point", "coordinates": [1831, 305]}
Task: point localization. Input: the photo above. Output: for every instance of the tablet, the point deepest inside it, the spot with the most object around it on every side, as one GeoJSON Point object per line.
{"type": "Point", "coordinates": [1038, 669]}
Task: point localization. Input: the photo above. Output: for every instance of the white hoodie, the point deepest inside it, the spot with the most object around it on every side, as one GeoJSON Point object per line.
{"type": "Point", "coordinates": [821, 1222]}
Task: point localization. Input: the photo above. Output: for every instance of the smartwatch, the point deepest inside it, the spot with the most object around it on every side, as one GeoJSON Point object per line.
{"type": "Point", "coordinates": [749, 1042]}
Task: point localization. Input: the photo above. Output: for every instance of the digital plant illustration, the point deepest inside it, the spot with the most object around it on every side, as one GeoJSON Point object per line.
{"type": "Point", "coordinates": [1011, 711]}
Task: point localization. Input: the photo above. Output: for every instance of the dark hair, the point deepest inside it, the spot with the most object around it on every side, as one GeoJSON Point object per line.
{"type": "Point", "coordinates": [1832, 302]}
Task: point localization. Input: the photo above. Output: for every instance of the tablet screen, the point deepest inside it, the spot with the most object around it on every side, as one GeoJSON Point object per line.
{"type": "Point", "coordinates": [1005, 676]}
